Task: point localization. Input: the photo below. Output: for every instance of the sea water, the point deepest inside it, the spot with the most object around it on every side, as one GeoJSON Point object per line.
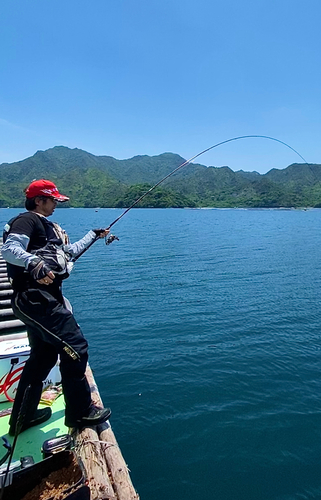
{"type": "Point", "coordinates": [204, 334]}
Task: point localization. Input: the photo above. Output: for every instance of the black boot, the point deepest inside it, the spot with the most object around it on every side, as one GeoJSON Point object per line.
{"type": "Point", "coordinates": [39, 417]}
{"type": "Point", "coordinates": [96, 416]}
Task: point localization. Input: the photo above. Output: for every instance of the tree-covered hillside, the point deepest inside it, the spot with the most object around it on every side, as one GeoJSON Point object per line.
{"type": "Point", "coordinates": [103, 181]}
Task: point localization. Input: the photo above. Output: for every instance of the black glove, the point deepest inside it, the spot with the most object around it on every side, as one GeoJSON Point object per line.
{"type": "Point", "coordinates": [38, 269]}
{"type": "Point", "coordinates": [98, 231]}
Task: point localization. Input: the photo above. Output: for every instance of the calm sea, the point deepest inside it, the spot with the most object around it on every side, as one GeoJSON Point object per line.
{"type": "Point", "coordinates": [204, 333]}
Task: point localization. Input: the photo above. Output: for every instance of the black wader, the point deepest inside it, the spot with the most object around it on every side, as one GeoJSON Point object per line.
{"type": "Point", "coordinates": [52, 330]}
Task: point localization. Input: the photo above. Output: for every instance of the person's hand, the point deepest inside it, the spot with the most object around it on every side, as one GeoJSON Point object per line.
{"type": "Point", "coordinates": [40, 271]}
{"type": "Point", "coordinates": [101, 233]}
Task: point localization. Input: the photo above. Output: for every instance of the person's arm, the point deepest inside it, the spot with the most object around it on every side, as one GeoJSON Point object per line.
{"type": "Point", "coordinates": [76, 248]}
{"type": "Point", "coordinates": [15, 252]}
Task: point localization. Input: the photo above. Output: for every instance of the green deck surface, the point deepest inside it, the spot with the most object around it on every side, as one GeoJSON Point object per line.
{"type": "Point", "coordinates": [30, 441]}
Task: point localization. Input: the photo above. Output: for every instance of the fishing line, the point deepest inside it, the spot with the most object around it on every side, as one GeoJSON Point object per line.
{"type": "Point", "coordinates": [183, 165]}
{"type": "Point", "coordinates": [193, 158]}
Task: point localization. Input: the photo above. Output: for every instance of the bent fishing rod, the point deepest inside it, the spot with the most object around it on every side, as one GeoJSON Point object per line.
{"type": "Point", "coordinates": [112, 238]}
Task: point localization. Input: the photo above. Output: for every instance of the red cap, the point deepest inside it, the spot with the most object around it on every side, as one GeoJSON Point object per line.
{"type": "Point", "coordinates": [44, 188]}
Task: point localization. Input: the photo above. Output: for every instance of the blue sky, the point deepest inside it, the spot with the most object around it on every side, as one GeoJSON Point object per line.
{"type": "Point", "coordinates": [125, 78]}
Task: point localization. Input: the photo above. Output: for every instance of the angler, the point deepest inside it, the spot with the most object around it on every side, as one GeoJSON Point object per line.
{"type": "Point", "coordinates": [38, 255]}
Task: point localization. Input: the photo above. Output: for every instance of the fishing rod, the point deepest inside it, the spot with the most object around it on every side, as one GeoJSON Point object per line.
{"type": "Point", "coordinates": [112, 237]}
{"type": "Point", "coordinates": [18, 428]}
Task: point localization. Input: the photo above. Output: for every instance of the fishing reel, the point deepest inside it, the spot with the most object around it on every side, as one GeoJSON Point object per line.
{"type": "Point", "coordinates": [109, 239]}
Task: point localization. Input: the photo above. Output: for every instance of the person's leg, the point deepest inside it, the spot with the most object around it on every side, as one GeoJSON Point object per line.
{"type": "Point", "coordinates": [41, 360]}
{"type": "Point", "coordinates": [75, 387]}
{"type": "Point", "coordinates": [57, 326]}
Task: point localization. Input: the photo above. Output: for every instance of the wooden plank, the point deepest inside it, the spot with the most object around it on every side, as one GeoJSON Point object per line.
{"type": "Point", "coordinates": [4, 325]}
{"type": "Point", "coordinates": [5, 303]}
{"type": "Point", "coordinates": [89, 449]}
{"type": "Point", "coordinates": [6, 312]}
{"type": "Point", "coordinates": [5, 285]}
{"type": "Point", "coordinates": [117, 466]}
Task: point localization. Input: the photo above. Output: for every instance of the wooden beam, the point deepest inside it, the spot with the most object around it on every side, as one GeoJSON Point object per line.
{"type": "Point", "coordinates": [88, 448]}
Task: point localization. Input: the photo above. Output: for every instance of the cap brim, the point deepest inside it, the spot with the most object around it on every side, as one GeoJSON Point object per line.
{"type": "Point", "coordinates": [61, 197]}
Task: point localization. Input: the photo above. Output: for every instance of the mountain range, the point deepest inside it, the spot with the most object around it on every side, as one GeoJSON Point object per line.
{"type": "Point", "coordinates": [103, 181]}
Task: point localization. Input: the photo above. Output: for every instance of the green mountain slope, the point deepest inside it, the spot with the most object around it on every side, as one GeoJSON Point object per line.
{"type": "Point", "coordinates": [104, 181]}
{"type": "Point", "coordinates": [91, 180]}
{"type": "Point", "coordinates": [296, 175]}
